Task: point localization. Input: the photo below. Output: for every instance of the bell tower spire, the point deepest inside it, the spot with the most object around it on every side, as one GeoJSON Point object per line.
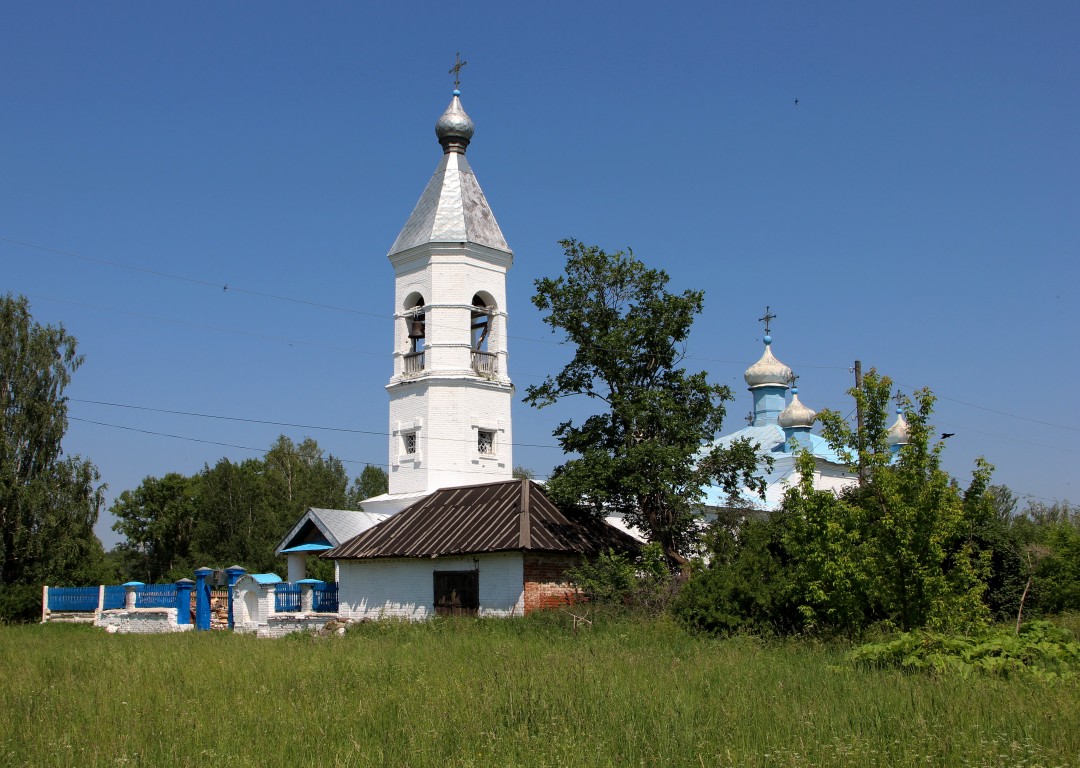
{"type": "Point", "coordinates": [450, 392]}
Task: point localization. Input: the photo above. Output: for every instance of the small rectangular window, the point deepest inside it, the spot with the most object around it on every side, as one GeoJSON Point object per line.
{"type": "Point", "coordinates": [485, 442]}
{"type": "Point", "coordinates": [409, 442]}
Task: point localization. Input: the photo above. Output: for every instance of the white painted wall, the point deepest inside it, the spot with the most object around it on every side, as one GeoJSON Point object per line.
{"type": "Point", "coordinates": [404, 588]}
{"type": "Point", "coordinates": [447, 403]}
{"type": "Point", "coordinates": [253, 603]}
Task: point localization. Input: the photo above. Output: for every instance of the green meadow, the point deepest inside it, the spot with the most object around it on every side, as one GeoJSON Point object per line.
{"type": "Point", "coordinates": [466, 692]}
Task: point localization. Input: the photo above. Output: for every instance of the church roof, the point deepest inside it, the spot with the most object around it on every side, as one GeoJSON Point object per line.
{"type": "Point", "coordinates": [771, 439]}
{"type": "Point", "coordinates": [505, 516]}
{"type": "Point", "coordinates": [327, 527]}
{"type": "Point", "coordinates": [453, 208]}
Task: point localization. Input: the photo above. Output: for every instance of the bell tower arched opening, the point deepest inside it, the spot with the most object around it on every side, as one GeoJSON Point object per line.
{"type": "Point", "coordinates": [416, 332]}
{"type": "Point", "coordinates": [485, 358]}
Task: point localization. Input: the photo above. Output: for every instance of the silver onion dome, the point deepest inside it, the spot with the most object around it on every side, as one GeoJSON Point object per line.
{"type": "Point", "coordinates": [797, 415]}
{"type": "Point", "coordinates": [768, 371]}
{"type": "Point", "coordinates": [455, 128]}
{"type": "Point", "coordinates": [899, 432]}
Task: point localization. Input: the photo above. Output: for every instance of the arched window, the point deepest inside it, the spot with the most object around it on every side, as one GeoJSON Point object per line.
{"type": "Point", "coordinates": [484, 361]}
{"type": "Point", "coordinates": [481, 323]}
{"type": "Point", "coordinates": [416, 328]}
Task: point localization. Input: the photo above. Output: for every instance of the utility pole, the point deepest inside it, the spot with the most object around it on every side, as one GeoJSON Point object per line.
{"type": "Point", "coordinates": [859, 434]}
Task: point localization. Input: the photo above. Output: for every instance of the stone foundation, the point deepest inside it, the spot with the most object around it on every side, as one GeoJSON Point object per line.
{"type": "Point", "coordinates": [141, 621]}
{"type": "Point", "coordinates": [281, 624]}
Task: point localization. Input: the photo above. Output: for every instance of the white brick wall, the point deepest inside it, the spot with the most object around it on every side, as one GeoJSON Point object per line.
{"type": "Point", "coordinates": [141, 621]}
{"type": "Point", "coordinates": [448, 402]}
{"type": "Point", "coordinates": [253, 603]}
{"type": "Point", "coordinates": [286, 623]}
{"type": "Point", "coordinates": [405, 589]}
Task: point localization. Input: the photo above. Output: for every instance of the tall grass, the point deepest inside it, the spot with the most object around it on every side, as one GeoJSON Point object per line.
{"type": "Point", "coordinates": [530, 692]}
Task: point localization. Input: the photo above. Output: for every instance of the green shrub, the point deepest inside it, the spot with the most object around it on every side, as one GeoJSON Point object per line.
{"type": "Point", "coordinates": [20, 603]}
{"type": "Point", "coordinates": [641, 584]}
{"type": "Point", "coordinates": [1041, 648]}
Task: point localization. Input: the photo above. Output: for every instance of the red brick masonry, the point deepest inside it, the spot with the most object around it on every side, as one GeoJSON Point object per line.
{"type": "Point", "coordinates": [546, 585]}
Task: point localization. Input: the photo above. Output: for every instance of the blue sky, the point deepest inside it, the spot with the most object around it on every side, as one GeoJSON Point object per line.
{"type": "Point", "coordinates": [918, 209]}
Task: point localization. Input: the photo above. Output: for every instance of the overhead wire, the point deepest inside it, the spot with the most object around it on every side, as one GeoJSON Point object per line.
{"type": "Point", "coordinates": [322, 305]}
{"type": "Point", "coordinates": [237, 446]}
{"type": "Point", "coordinates": [268, 422]}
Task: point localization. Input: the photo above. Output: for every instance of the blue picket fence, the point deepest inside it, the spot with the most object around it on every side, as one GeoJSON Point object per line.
{"type": "Point", "coordinates": [326, 598]}
{"type": "Point", "coordinates": [85, 599]}
{"type": "Point", "coordinates": [73, 599]}
{"type": "Point", "coordinates": [156, 596]}
{"type": "Point", "coordinates": [287, 598]}
{"type": "Point", "coordinates": [114, 597]}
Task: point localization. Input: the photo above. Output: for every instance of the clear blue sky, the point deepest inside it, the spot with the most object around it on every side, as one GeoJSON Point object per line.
{"type": "Point", "coordinates": [918, 210]}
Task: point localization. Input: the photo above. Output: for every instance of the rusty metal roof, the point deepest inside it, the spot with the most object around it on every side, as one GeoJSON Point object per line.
{"type": "Point", "coordinates": [494, 517]}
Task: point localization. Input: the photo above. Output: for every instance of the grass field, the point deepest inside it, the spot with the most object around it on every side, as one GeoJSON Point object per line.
{"type": "Point", "coordinates": [504, 693]}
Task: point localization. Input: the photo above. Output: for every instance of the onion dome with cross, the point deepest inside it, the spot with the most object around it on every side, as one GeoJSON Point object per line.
{"type": "Point", "coordinates": [797, 415]}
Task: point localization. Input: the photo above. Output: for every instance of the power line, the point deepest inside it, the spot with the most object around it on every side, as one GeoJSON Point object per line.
{"type": "Point", "coordinates": [225, 287]}
{"type": "Point", "coordinates": [277, 297]}
{"type": "Point", "coordinates": [349, 430]}
{"type": "Point", "coordinates": [234, 445]}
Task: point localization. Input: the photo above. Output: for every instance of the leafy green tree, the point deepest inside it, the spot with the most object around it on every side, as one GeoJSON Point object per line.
{"type": "Point", "coordinates": [243, 510]}
{"type": "Point", "coordinates": [921, 564]}
{"type": "Point", "coordinates": [648, 454]}
{"type": "Point", "coordinates": [157, 520]}
{"type": "Point", "coordinates": [49, 503]}
{"type": "Point", "coordinates": [235, 522]}
{"type": "Point", "coordinates": [748, 583]}
{"type": "Point", "coordinates": [373, 481]}
{"type": "Point", "coordinates": [905, 548]}
{"type": "Point", "coordinates": [1049, 535]}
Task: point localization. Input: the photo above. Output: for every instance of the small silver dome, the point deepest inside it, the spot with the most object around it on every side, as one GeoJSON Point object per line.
{"type": "Point", "coordinates": [768, 371]}
{"type": "Point", "coordinates": [454, 128]}
{"type": "Point", "coordinates": [899, 432]}
{"type": "Point", "coordinates": [797, 415]}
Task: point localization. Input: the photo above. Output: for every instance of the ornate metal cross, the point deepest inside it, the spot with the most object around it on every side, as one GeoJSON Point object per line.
{"type": "Point", "coordinates": [456, 72]}
{"type": "Point", "coordinates": [768, 318]}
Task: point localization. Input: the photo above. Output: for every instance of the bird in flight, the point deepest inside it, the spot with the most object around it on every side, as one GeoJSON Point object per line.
{"type": "Point", "coordinates": [946, 435]}
{"type": "Point", "coordinates": [796, 102]}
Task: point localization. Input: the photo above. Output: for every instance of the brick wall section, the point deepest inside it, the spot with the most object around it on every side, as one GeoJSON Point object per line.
{"type": "Point", "coordinates": [546, 585]}
{"type": "Point", "coordinates": [143, 621]}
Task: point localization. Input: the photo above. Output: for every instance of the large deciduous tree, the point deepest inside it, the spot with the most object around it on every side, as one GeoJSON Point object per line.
{"type": "Point", "coordinates": [49, 503]}
{"type": "Point", "coordinates": [648, 453]}
{"type": "Point", "coordinates": [373, 481]}
{"type": "Point", "coordinates": [157, 520]}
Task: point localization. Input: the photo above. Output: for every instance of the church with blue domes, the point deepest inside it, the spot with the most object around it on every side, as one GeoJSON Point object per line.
{"type": "Point", "coordinates": [781, 428]}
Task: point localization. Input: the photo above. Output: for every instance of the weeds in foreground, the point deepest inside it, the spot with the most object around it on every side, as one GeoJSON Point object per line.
{"type": "Point", "coordinates": [475, 692]}
{"type": "Point", "coordinates": [1041, 649]}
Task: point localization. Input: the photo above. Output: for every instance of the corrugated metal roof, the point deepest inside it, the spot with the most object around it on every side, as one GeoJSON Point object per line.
{"type": "Point", "coordinates": [494, 517]}
{"type": "Point", "coordinates": [336, 526]}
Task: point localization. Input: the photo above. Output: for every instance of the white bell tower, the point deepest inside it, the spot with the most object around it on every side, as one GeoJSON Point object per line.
{"type": "Point", "coordinates": [450, 393]}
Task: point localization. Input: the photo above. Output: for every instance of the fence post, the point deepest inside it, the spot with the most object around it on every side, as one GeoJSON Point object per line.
{"type": "Point", "coordinates": [202, 597]}
{"type": "Point", "coordinates": [271, 603]}
{"type": "Point", "coordinates": [307, 594]}
{"type": "Point", "coordinates": [234, 572]}
{"type": "Point", "coordinates": [183, 601]}
{"type": "Point", "coordinates": [44, 603]}
{"type": "Point", "coordinates": [131, 593]}
{"type": "Point", "coordinates": [100, 602]}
